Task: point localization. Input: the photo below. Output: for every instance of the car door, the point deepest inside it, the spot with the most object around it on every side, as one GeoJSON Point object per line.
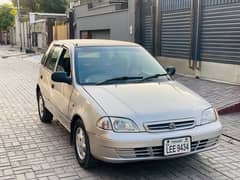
{"type": "Point", "coordinates": [42, 80]}
{"type": "Point", "coordinates": [62, 91]}
{"type": "Point", "coordinates": [45, 75]}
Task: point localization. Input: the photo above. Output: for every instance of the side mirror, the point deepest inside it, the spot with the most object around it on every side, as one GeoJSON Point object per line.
{"type": "Point", "coordinates": [61, 77]}
{"type": "Point", "coordinates": [171, 70]}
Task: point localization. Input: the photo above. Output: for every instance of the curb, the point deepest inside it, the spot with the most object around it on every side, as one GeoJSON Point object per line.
{"type": "Point", "coordinates": [22, 54]}
{"type": "Point", "coordinates": [11, 55]}
{"type": "Point", "coordinates": [229, 109]}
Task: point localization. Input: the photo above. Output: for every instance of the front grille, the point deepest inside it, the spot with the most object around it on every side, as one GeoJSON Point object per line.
{"type": "Point", "coordinates": [157, 151]}
{"type": "Point", "coordinates": [170, 125]}
{"type": "Point", "coordinates": [141, 152]}
{"type": "Point", "coordinates": [198, 145]}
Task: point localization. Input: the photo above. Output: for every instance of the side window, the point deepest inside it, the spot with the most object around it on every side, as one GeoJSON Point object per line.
{"type": "Point", "coordinates": [64, 62]}
{"type": "Point", "coordinates": [45, 56]}
{"type": "Point", "coordinates": [52, 58]}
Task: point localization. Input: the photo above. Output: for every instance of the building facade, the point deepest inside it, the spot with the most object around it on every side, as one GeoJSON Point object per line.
{"type": "Point", "coordinates": [39, 30]}
{"type": "Point", "coordinates": [104, 20]}
{"type": "Point", "coordinates": [44, 28]}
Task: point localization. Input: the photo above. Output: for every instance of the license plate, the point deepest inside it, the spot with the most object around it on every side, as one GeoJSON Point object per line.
{"type": "Point", "coordinates": [177, 146]}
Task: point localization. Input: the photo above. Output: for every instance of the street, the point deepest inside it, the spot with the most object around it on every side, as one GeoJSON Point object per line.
{"type": "Point", "coordinates": [30, 149]}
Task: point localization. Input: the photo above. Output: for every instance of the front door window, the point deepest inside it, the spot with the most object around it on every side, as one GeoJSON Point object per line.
{"type": "Point", "coordinates": [64, 64]}
{"type": "Point", "coordinates": [52, 58]}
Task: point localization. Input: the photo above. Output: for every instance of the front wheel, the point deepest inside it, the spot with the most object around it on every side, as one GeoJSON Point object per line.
{"type": "Point", "coordinates": [44, 115]}
{"type": "Point", "coordinates": [82, 147]}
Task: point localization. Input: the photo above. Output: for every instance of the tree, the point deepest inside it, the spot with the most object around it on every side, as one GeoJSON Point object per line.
{"type": "Point", "coordinates": [7, 16]}
{"type": "Point", "coordinates": [48, 6]}
{"type": "Point", "coordinates": [27, 5]}
{"type": "Point", "coordinates": [56, 6]}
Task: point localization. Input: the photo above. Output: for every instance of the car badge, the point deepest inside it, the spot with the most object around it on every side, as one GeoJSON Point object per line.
{"type": "Point", "coordinates": [172, 126]}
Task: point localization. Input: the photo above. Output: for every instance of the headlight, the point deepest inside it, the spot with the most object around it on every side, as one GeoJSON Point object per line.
{"type": "Point", "coordinates": [123, 125]}
{"type": "Point", "coordinates": [208, 116]}
{"type": "Point", "coordinates": [104, 124]}
{"type": "Point", "coordinates": [117, 124]}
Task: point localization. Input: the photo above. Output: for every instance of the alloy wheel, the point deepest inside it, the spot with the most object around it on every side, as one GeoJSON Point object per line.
{"type": "Point", "coordinates": [41, 106]}
{"type": "Point", "coordinates": [81, 143]}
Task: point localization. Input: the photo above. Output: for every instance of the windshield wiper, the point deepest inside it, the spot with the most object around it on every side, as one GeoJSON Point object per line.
{"type": "Point", "coordinates": [152, 77]}
{"type": "Point", "coordinates": [122, 78]}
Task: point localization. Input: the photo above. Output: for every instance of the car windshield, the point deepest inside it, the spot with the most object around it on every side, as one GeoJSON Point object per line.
{"type": "Point", "coordinates": [116, 64]}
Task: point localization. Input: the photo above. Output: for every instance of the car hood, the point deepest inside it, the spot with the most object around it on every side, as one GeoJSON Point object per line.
{"type": "Point", "coordinates": [145, 102]}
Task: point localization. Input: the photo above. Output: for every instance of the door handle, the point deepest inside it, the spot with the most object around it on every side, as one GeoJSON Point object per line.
{"type": "Point", "coordinates": [41, 77]}
{"type": "Point", "coordinates": [52, 86]}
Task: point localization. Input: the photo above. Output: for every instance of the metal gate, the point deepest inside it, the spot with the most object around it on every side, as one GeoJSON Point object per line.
{"type": "Point", "coordinates": [197, 30]}
{"type": "Point", "coordinates": [176, 24]}
{"type": "Point", "coordinates": [220, 31]}
{"type": "Point", "coordinates": [147, 24]}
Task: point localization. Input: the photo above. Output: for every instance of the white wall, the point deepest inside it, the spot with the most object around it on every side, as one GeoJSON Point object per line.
{"type": "Point", "coordinates": [24, 33]}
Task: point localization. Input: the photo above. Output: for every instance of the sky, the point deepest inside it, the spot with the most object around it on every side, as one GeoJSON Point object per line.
{"type": "Point", "coordinates": [4, 1]}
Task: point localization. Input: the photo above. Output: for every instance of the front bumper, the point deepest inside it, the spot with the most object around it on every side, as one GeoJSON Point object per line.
{"type": "Point", "coordinates": [128, 147]}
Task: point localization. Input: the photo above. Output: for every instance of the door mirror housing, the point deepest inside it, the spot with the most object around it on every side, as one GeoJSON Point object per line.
{"type": "Point", "coordinates": [61, 77]}
{"type": "Point", "coordinates": [171, 70]}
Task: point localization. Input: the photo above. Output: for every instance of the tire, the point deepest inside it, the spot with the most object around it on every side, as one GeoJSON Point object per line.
{"type": "Point", "coordinates": [82, 147]}
{"type": "Point", "coordinates": [44, 114]}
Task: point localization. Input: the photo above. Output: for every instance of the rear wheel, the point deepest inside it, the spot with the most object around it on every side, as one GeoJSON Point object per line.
{"type": "Point", "coordinates": [44, 115]}
{"type": "Point", "coordinates": [82, 147]}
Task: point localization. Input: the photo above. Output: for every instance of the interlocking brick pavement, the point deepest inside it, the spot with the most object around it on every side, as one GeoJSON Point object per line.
{"type": "Point", "coordinates": [30, 149]}
{"type": "Point", "coordinates": [231, 125]}
{"type": "Point", "coordinates": [219, 94]}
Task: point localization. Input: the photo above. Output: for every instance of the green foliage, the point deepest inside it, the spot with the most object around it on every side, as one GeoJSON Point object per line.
{"type": "Point", "coordinates": [27, 5]}
{"type": "Point", "coordinates": [84, 1]}
{"type": "Point", "coordinates": [7, 16]}
{"type": "Point", "coordinates": [48, 6]}
{"type": "Point", "coordinates": [56, 6]}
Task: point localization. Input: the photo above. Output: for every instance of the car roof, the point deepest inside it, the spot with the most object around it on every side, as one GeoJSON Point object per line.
{"type": "Point", "coordinates": [94, 42]}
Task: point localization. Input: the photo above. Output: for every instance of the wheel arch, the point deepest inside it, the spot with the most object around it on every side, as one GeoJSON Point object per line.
{"type": "Point", "coordinates": [75, 118]}
{"type": "Point", "coordinates": [37, 89]}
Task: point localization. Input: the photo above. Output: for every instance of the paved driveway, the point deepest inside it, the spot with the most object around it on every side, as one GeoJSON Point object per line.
{"type": "Point", "coordinates": [32, 150]}
{"type": "Point", "coordinates": [219, 94]}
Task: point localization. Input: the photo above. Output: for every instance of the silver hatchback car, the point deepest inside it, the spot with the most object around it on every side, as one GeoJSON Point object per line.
{"type": "Point", "coordinates": [120, 105]}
